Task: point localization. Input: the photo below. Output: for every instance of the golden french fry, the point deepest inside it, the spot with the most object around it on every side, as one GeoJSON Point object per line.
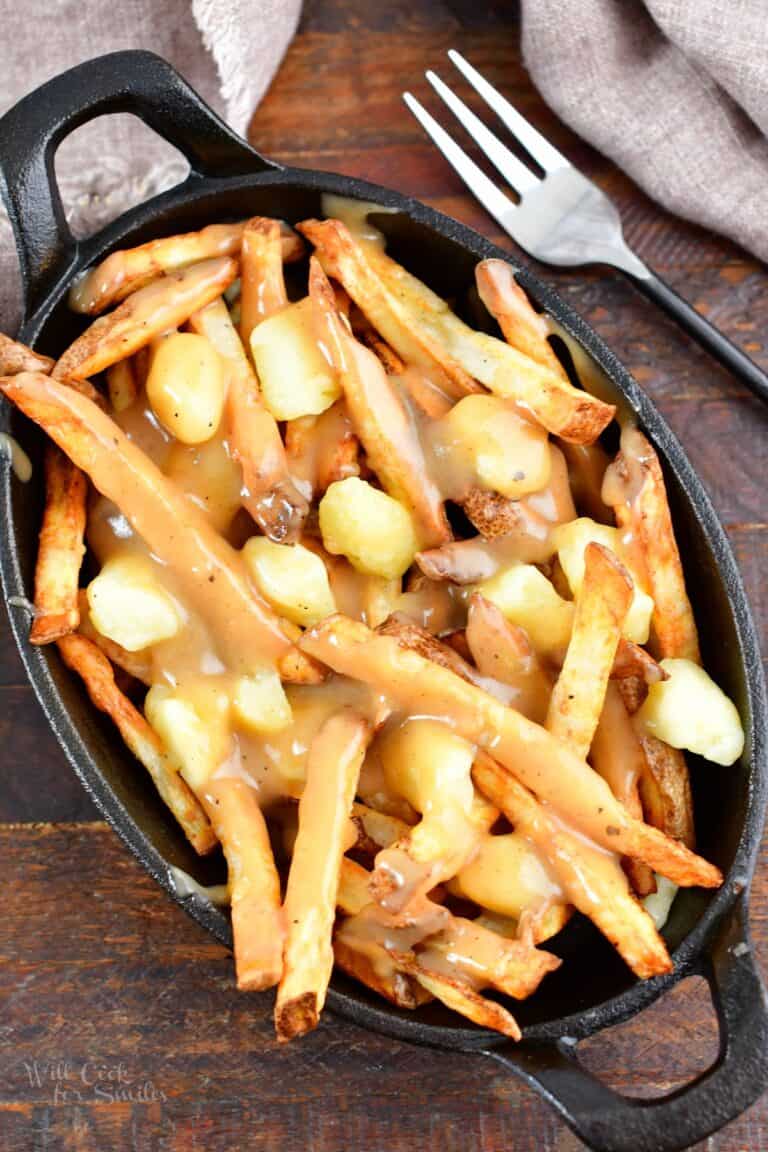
{"type": "Point", "coordinates": [632, 661]}
{"type": "Point", "coordinates": [379, 417]}
{"type": "Point", "coordinates": [538, 759]}
{"type": "Point", "coordinates": [523, 327]}
{"type": "Point", "coordinates": [375, 830]}
{"type": "Point", "coordinates": [592, 879]}
{"type": "Point", "coordinates": [562, 409]}
{"type": "Point", "coordinates": [254, 885]}
{"type": "Point", "coordinates": [322, 449]}
{"type": "Point", "coordinates": [634, 487]}
{"type": "Point", "coordinates": [129, 269]}
{"type": "Point", "coordinates": [269, 493]}
{"type": "Point", "coordinates": [136, 664]}
{"type": "Point", "coordinates": [503, 651]}
{"type": "Point", "coordinates": [380, 599]}
{"type": "Point", "coordinates": [262, 288]}
{"type": "Point", "coordinates": [377, 972]}
{"type": "Point", "coordinates": [333, 768]}
{"type": "Point", "coordinates": [90, 663]}
{"type": "Point", "coordinates": [122, 385]}
{"type": "Point", "coordinates": [162, 305]}
{"type": "Point", "coordinates": [602, 604]}
{"type": "Point", "coordinates": [411, 636]}
{"type": "Point", "coordinates": [587, 464]}
{"type": "Point", "coordinates": [617, 755]}
{"type": "Point", "coordinates": [665, 790]}
{"type": "Point", "coordinates": [16, 357]}
{"type": "Point", "coordinates": [211, 574]}
{"type": "Point", "coordinates": [367, 334]}
{"type": "Point", "coordinates": [61, 548]}
{"type": "Point", "coordinates": [487, 959]}
{"type": "Point", "coordinates": [459, 995]}
{"type": "Point", "coordinates": [343, 259]}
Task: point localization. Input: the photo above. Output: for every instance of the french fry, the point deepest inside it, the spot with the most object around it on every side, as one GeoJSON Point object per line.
{"type": "Point", "coordinates": [129, 269]}
{"type": "Point", "coordinates": [16, 357]}
{"type": "Point", "coordinates": [61, 548]}
{"type": "Point", "coordinates": [333, 767]}
{"type": "Point", "coordinates": [592, 879]}
{"type": "Point", "coordinates": [367, 334]}
{"type": "Point", "coordinates": [380, 599]}
{"type": "Point", "coordinates": [262, 288]}
{"type": "Point", "coordinates": [254, 885]}
{"type": "Point", "coordinates": [462, 561]}
{"type": "Point", "coordinates": [377, 972]}
{"type": "Point", "coordinates": [411, 636]}
{"type": "Point", "coordinates": [633, 661]}
{"type": "Point", "coordinates": [587, 465]}
{"type": "Point", "coordinates": [522, 326]}
{"type": "Point", "coordinates": [513, 967]}
{"type": "Point", "coordinates": [322, 449]}
{"type": "Point", "coordinates": [173, 528]}
{"type": "Point", "coordinates": [122, 385]}
{"type": "Point", "coordinates": [562, 409]}
{"type": "Point", "coordinates": [492, 514]}
{"type": "Point", "coordinates": [617, 755]}
{"type": "Point", "coordinates": [503, 651]}
{"type": "Point", "coordinates": [634, 487]}
{"type": "Point", "coordinates": [459, 995]}
{"type": "Point", "coordinates": [379, 417]}
{"type": "Point", "coordinates": [540, 761]}
{"type": "Point", "coordinates": [160, 306]}
{"type": "Point", "coordinates": [375, 830]}
{"type": "Point", "coordinates": [342, 258]}
{"type": "Point", "coordinates": [136, 664]}
{"type": "Point", "coordinates": [602, 604]}
{"type": "Point", "coordinates": [665, 790]}
{"type": "Point", "coordinates": [90, 663]}
{"type": "Point", "coordinates": [270, 494]}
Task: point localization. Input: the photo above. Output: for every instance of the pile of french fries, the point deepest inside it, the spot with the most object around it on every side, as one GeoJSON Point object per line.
{"type": "Point", "coordinates": [368, 600]}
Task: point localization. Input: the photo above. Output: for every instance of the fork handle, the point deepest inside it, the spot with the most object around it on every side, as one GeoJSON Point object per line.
{"type": "Point", "coordinates": [701, 330]}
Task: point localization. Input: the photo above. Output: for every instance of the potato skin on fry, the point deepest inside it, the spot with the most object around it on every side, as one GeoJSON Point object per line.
{"type": "Point", "coordinates": [60, 550]}
{"type": "Point", "coordinates": [16, 357]}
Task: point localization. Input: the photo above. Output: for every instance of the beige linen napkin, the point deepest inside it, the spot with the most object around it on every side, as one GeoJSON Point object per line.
{"type": "Point", "coordinates": [228, 50]}
{"type": "Point", "coordinates": [674, 91]}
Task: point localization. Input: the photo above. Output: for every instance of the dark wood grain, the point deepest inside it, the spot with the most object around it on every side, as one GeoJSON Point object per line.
{"type": "Point", "coordinates": [100, 975]}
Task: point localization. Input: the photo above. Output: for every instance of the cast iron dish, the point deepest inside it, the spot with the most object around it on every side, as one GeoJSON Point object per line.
{"type": "Point", "coordinates": [707, 931]}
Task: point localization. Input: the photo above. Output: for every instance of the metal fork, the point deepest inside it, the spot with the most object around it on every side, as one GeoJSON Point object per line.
{"type": "Point", "coordinates": [562, 218]}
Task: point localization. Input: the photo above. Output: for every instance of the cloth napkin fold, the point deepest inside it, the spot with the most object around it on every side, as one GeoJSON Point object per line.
{"type": "Point", "coordinates": [228, 50]}
{"type": "Point", "coordinates": [674, 91]}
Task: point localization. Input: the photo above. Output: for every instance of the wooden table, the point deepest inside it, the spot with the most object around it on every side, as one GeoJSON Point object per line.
{"type": "Point", "coordinates": [120, 1026]}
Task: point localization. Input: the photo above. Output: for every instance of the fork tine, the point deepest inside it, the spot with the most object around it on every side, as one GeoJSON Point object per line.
{"type": "Point", "coordinates": [532, 140]}
{"type": "Point", "coordinates": [492, 199]}
{"type": "Point", "coordinates": [512, 169]}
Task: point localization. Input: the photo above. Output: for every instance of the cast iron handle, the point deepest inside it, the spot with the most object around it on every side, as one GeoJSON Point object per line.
{"type": "Point", "coordinates": [135, 81]}
{"type": "Point", "coordinates": [609, 1122]}
{"type": "Point", "coordinates": [701, 330]}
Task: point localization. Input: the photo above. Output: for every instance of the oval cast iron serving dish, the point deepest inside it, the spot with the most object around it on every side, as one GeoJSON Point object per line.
{"type": "Point", "coordinates": [707, 931]}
